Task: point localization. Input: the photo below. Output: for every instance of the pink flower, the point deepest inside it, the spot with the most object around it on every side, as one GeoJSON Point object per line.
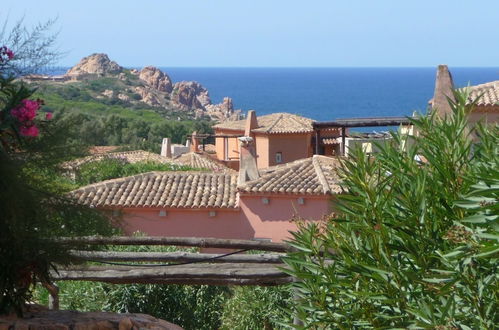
{"type": "Point", "coordinates": [29, 131]}
{"type": "Point", "coordinates": [6, 54]}
{"type": "Point", "coordinates": [10, 54]}
{"type": "Point", "coordinates": [48, 115]}
{"type": "Point", "coordinates": [26, 111]}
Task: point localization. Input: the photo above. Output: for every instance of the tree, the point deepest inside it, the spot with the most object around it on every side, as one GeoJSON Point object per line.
{"type": "Point", "coordinates": [415, 241]}
{"type": "Point", "coordinates": [33, 207]}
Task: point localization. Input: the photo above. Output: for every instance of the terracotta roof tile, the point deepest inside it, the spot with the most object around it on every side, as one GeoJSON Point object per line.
{"type": "Point", "coordinates": [273, 124]}
{"type": "Point", "coordinates": [311, 176]}
{"type": "Point", "coordinates": [489, 92]}
{"type": "Point", "coordinates": [201, 160]}
{"type": "Point", "coordinates": [163, 190]}
{"type": "Point", "coordinates": [95, 150]}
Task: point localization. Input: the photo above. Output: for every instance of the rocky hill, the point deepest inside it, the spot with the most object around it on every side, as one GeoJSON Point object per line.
{"type": "Point", "coordinates": [98, 78]}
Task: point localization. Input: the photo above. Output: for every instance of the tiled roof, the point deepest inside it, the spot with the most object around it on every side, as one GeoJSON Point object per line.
{"type": "Point", "coordinates": [126, 156]}
{"type": "Point", "coordinates": [95, 150]}
{"type": "Point", "coordinates": [163, 189]}
{"type": "Point", "coordinates": [331, 141]}
{"type": "Point", "coordinates": [311, 176]}
{"type": "Point", "coordinates": [488, 91]}
{"type": "Point", "coordinates": [273, 124]}
{"type": "Point", "coordinates": [201, 160]}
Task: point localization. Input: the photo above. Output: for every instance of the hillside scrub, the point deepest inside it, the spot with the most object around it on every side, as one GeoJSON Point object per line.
{"type": "Point", "coordinates": [415, 241]}
{"type": "Point", "coordinates": [115, 168]}
{"type": "Point", "coordinates": [129, 132]}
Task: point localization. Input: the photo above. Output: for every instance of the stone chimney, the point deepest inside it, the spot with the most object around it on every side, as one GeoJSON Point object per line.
{"type": "Point", "coordinates": [194, 142]}
{"type": "Point", "coordinates": [166, 148]}
{"type": "Point", "coordinates": [444, 87]}
{"type": "Point", "coordinates": [248, 169]}
{"type": "Point", "coordinates": [251, 123]}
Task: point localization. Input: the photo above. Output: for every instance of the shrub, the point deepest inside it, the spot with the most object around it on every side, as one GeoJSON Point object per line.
{"type": "Point", "coordinates": [33, 208]}
{"type": "Point", "coordinates": [256, 308]}
{"type": "Point", "coordinates": [414, 244]}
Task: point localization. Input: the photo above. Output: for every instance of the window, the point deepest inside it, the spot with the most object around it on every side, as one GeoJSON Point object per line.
{"type": "Point", "coordinates": [278, 157]}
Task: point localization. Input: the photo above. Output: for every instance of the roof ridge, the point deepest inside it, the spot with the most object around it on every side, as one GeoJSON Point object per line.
{"type": "Point", "coordinates": [295, 119]}
{"type": "Point", "coordinates": [279, 117]}
{"type": "Point", "coordinates": [278, 169]}
{"type": "Point", "coordinates": [131, 177]}
{"type": "Point", "coordinates": [320, 173]}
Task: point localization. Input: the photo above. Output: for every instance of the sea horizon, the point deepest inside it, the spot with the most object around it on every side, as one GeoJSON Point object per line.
{"type": "Point", "coordinates": [324, 93]}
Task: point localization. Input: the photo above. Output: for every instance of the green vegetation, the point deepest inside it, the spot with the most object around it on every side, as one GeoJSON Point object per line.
{"type": "Point", "coordinates": [88, 97]}
{"type": "Point", "coordinates": [130, 133]}
{"type": "Point", "coordinates": [115, 168]}
{"type": "Point", "coordinates": [415, 244]}
{"type": "Point", "coordinates": [83, 97]}
{"type": "Point", "coordinates": [33, 207]}
{"type": "Point", "coordinates": [256, 308]}
{"type": "Point", "coordinates": [103, 120]}
{"type": "Point", "coordinates": [190, 306]}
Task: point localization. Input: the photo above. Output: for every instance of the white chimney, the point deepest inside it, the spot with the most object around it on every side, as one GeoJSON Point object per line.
{"type": "Point", "coordinates": [166, 148]}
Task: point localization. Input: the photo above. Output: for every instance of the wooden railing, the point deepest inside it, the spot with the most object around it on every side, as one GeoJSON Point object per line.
{"type": "Point", "coordinates": [232, 268]}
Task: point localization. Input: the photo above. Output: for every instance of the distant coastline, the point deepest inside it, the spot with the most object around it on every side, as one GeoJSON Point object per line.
{"type": "Point", "coordinates": [325, 93]}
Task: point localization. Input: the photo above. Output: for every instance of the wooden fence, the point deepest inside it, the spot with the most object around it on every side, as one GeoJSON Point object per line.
{"type": "Point", "coordinates": [232, 268]}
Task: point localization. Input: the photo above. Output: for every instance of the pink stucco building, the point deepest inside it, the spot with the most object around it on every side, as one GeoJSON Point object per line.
{"type": "Point", "coordinates": [279, 138]}
{"type": "Point", "coordinates": [209, 204]}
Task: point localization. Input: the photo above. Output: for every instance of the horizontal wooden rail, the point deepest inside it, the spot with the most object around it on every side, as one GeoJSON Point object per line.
{"type": "Point", "coordinates": [179, 241]}
{"type": "Point", "coordinates": [233, 273]}
{"type": "Point", "coordinates": [174, 257]}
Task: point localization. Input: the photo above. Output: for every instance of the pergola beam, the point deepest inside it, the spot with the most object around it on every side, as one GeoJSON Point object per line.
{"type": "Point", "coordinates": [202, 242]}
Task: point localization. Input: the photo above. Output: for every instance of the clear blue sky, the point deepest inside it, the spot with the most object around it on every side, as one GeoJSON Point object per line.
{"type": "Point", "coordinates": [272, 33]}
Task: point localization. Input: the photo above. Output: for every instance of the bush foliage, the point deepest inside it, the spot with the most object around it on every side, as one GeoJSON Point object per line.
{"type": "Point", "coordinates": [415, 241]}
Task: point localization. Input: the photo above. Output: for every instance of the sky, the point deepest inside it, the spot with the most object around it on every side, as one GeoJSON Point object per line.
{"type": "Point", "coordinates": [271, 33]}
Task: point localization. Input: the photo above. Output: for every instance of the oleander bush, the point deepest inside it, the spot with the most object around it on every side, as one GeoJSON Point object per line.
{"type": "Point", "coordinates": [256, 308]}
{"type": "Point", "coordinates": [33, 206]}
{"type": "Point", "coordinates": [414, 243]}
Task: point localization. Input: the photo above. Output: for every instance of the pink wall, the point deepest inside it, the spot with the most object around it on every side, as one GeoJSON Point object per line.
{"type": "Point", "coordinates": [231, 144]}
{"type": "Point", "coordinates": [253, 219]}
{"type": "Point", "coordinates": [272, 220]}
{"type": "Point", "coordinates": [486, 117]}
{"type": "Point", "coordinates": [262, 150]}
{"type": "Point", "coordinates": [292, 147]}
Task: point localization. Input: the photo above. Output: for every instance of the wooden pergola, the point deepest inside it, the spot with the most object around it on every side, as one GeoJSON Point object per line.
{"type": "Point", "coordinates": [345, 123]}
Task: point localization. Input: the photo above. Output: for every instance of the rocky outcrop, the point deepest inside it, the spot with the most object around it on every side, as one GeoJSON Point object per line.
{"type": "Point", "coordinates": [108, 93]}
{"type": "Point", "coordinates": [156, 79]}
{"type": "Point", "coordinates": [149, 85]}
{"type": "Point", "coordinates": [66, 320]}
{"type": "Point", "coordinates": [99, 64]}
{"type": "Point", "coordinates": [190, 95]}
{"type": "Point", "coordinates": [124, 97]}
{"type": "Point", "coordinates": [150, 96]}
{"type": "Point", "coordinates": [223, 111]}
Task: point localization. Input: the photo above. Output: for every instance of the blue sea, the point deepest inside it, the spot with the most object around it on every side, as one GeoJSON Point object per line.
{"type": "Point", "coordinates": [327, 93]}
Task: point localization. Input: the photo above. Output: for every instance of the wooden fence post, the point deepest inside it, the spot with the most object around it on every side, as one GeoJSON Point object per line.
{"type": "Point", "coordinates": [53, 290]}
